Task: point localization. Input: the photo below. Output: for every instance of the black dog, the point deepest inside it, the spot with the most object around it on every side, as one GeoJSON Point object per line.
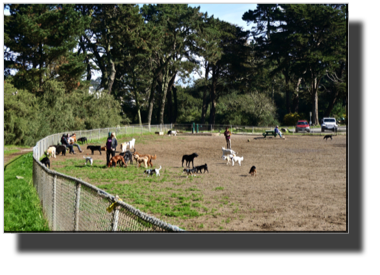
{"type": "Point", "coordinates": [190, 172]}
{"type": "Point", "coordinates": [94, 148]}
{"type": "Point", "coordinates": [46, 162]}
{"type": "Point", "coordinates": [82, 140]}
{"type": "Point", "coordinates": [60, 149]}
{"type": "Point", "coordinates": [204, 167]}
{"type": "Point", "coordinates": [127, 156]}
{"type": "Point", "coordinates": [327, 136]}
{"type": "Point", "coordinates": [253, 171]}
{"type": "Point", "coordinates": [189, 158]}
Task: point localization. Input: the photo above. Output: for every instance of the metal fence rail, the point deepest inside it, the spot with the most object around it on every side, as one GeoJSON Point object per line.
{"type": "Point", "coordinates": [71, 204]}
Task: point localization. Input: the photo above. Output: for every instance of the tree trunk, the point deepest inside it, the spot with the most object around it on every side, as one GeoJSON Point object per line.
{"type": "Point", "coordinates": [296, 97]}
{"type": "Point", "coordinates": [204, 104]}
{"type": "Point", "coordinates": [165, 86]}
{"type": "Point", "coordinates": [213, 96]}
{"type": "Point", "coordinates": [175, 104]}
{"type": "Point", "coordinates": [287, 93]}
{"type": "Point", "coordinates": [151, 101]}
{"type": "Point", "coordinates": [169, 98]}
{"type": "Point", "coordinates": [112, 76]}
{"type": "Point", "coordinates": [314, 92]}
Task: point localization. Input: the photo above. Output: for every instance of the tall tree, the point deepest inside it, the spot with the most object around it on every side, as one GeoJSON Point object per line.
{"type": "Point", "coordinates": [39, 44]}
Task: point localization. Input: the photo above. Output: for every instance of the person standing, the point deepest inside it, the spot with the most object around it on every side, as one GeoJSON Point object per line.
{"type": "Point", "coordinates": [111, 145]}
{"type": "Point", "coordinates": [227, 135]}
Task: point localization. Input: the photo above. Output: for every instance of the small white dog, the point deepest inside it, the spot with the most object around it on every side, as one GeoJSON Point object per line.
{"type": "Point", "coordinates": [228, 158]}
{"type": "Point", "coordinates": [153, 171]}
{"type": "Point", "coordinates": [123, 146]}
{"type": "Point", "coordinates": [51, 151]}
{"type": "Point", "coordinates": [132, 143]}
{"type": "Point", "coordinates": [88, 159]}
{"type": "Point", "coordinates": [237, 159]}
{"type": "Point", "coordinates": [171, 132]}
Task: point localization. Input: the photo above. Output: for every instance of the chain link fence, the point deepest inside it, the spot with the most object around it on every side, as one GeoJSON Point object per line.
{"type": "Point", "coordinates": [70, 204]}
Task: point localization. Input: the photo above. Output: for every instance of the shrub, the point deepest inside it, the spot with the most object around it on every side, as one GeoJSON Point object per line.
{"type": "Point", "coordinates": [291, 119]}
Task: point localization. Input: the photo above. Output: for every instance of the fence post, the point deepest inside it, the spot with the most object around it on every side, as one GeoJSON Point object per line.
{"type": "Point", "coordinates": [54, 202]}
{"type": "Point", "coordinates": [115, 218]}
{"type": "Point", "coordinates": [77, 200]}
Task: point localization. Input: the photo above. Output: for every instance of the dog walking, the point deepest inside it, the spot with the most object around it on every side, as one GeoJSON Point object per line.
{"type": "Point", "coordinates": [111, 146]}
{"type": "Point", "coordinates": [227, 135]}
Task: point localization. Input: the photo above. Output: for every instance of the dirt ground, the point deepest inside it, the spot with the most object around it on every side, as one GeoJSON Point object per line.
{"type": "Point", "coordinates": [300, 183]}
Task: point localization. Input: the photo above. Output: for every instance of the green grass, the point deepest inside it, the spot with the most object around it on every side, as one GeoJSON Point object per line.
{"type": "Point", "coordinates": [11, 149]}
{"type": "Point", "coordinates": [22, 209]}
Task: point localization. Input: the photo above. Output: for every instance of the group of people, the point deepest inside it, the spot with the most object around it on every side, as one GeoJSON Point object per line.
{"type": "Point", "coordinates": [227, 135]}
{"type": "Point", "coordinates": [64, 141]}
{"type": "Point", "coordinates": [111, 145]}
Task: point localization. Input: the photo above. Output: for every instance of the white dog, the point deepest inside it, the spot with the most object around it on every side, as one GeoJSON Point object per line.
{"type": "Point", "coordinates": [228, 151]}
{"type": "Point", "coordinates": [171, 132]}
{"type": "Point", "coordinates": [51, 151]}
{"type": "Point", "coordinates": [237, 159]}
{"type": "Point", "coordinates": [153, 171]}
{"type": "Point", "coordinates": [228, 158]}
{"type": "Point", "coordinates": [88, 159]}
{"type": "Point", "coordinates": [132, 143]}
{"type": "Point", "coordinates": [123, 146]}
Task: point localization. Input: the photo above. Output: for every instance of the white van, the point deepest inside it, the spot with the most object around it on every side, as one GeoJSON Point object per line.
{"type": "Point", "coordinates": [329, 123]}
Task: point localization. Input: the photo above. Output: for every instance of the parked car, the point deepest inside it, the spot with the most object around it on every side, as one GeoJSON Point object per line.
{"type": "Point", "coordinates": [302, 125]}
{"type": "Point", "coordinates": [329, 123]}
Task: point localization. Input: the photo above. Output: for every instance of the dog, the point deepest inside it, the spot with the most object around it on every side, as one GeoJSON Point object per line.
{"type": "Point", "coordinates": [237, 159]}
{"type": "Point", "coordinates": [94, 148]}
{"type": "Point", "coordinates": [228, 151]}
{"type": "Point", "coordinates": [51, 151]}
{"type": "Point", "coordinates": [189, 158]}
{"type": "Point", "coordinates": [127, 156]}
{"type": "Point", "coordinates": [188, 172]}
{"type": "Point", "coordinates": [88, 159]}
{"type": "Point", "coordinates": [253, 171]}
{"type": "Point", "coordinates": [204, 167]}
{"type": "Point", "coordinates": [103, 148]}
{"type": "Point", "coordinates": [150, 172]}
{"type": "Point", "coordinates": [150, 157]}
{"type": "Point", "coordinates": [60, 149]}
{"type": "Point", "coordinates": [132, 143]}
{"type": "Point", "coordinates": [229, 159]}
{"type": "Point", "coordinates": [46, 161]}
{"type": "Point", "coordinates": [170, 132]}
{"type": "Point", "coordinates": [72, 139]}
{"type": "Point", "coordinates": [327, 136]}
{"type": "Point", "coordinates": [82, 140]}
{"type": "Point", "coordinates": [114, 160]}
{"type": "Point", "coordinates": [123, 147]}
{"type": "Point", "coordinates": [140, 159]}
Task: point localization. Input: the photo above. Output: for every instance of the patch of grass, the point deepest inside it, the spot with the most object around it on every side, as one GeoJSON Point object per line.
{"type": "Point", "coordinates": [10, 152]}
{"type": "Point", "coordinates": [219, 188]}
{"type": "Point", "coordinates": [22, 208]}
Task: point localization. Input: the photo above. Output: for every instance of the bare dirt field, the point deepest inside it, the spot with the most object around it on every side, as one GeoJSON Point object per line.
{"type": "Point", "coordinates": [300, 183]}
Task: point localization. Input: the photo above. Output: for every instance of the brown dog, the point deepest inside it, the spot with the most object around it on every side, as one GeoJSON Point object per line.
{"type": "Point", "coordinates": [150, 157]}
{"type": "Point", "coordinates": [103, 148]}
{"type": "Point", "coordinates": [140, 160]}
{"type": "Point", "coordinates": [115, 159]}
{"type": "Point", "coordinates": [253, 171]}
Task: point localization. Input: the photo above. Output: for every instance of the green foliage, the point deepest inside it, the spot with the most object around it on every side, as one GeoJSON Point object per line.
{"type": "Point", "coordinates": [292, 118]}
{"type": "Point", "coordinates": [21, 116]}
{"type": "Point", "coordinates": [22, 208]}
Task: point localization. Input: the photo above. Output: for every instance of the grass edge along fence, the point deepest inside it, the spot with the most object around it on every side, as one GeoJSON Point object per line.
{"type": "Point", "coordinates": [71, 204]}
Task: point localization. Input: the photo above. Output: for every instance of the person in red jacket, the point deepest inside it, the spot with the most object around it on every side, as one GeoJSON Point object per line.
{"type": "Point", "coordinates": [227, 135]}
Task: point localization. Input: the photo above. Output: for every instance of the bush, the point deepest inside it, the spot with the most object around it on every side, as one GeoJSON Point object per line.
{"type": "Point", "coordinates": [291, 119]}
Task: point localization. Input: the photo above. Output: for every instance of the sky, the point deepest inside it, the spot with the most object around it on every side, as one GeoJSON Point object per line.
{"type": "Point", "coordinates": [229, 12]}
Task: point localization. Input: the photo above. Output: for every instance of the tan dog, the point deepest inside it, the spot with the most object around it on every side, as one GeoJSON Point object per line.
{"type": "Point", "coordinates": [139, 160]}
{"type": "Point", "coordinates": [150, 157]}
{"type": "Point", "coordinates": [51, 151]}
{"type": "Point", "coordinates": [116, 159]}
{"type": "Point", "coordinates": [72, 139]}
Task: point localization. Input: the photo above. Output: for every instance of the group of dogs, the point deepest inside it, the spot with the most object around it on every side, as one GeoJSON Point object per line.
{"type": "Point", "coordinates": [228, 154]}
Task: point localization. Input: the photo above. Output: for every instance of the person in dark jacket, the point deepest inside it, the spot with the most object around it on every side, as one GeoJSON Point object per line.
{"type": "Point", "coordinates": [66, 143]}
{"type": "Point", "coordinates": [111, 145]}
{"type": "Point", "coordinates": [227, 135]}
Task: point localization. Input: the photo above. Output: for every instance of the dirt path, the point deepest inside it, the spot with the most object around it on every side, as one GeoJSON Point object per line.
{"type": "Point", "coordinates": [23, 151]}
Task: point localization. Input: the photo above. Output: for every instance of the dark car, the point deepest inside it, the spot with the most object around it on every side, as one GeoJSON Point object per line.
{"type": "Point", "coordinates": [302, 126]}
